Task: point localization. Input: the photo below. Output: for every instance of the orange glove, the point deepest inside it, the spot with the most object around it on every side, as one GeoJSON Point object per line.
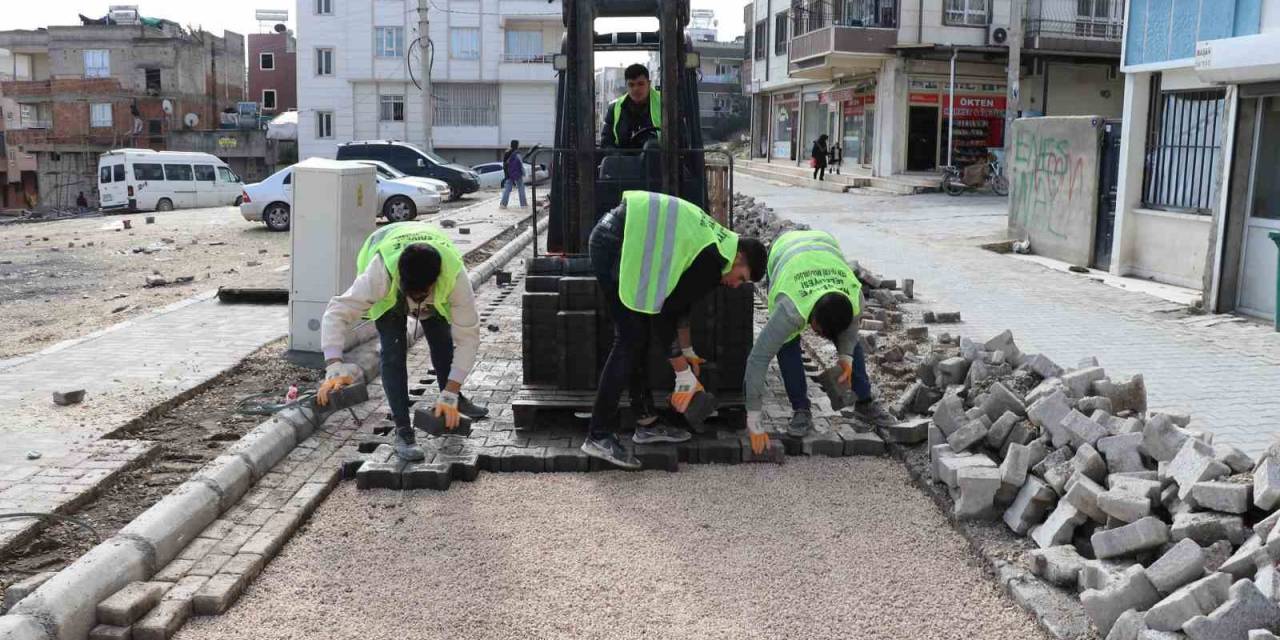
{"type": "Point", "coordinates": [695, 361]}
{"type": "Point", "coordinates": [759, 439]}
{"type": "Point", "coordinates": [687, 386]}
{"type": "Point", "coordinates": [337, 376]}
{"type": "Point", "coordinates": [846, 365]}
{"type": "Point", "coordinates": [447, 406]}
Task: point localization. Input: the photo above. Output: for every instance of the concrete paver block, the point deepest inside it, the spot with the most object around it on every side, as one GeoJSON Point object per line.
{"type": "Point", "coordinates": [128, 604]}
{"type": "Point", "coordinates": [970, 434]}
{"type": "Point", "coordinates": [1225, 497]}
{"type": "Point", "coordinates": [110, 632]}
{"type": "Point", "coordinates": [1042, 366]}
{"type": "Point", "coordinates": [1148, 488]}
{"type": "Point", "coordinates": [1122, 452]}
{"type": "Point", "coordinates": [1264, 526]}
{"type": "Point", "coordinates": [1000, 429]}
{"type": "Point", "coordinates": [1245, 609]}
{"type": "Point", "coordinates": [1049, 412]}
{"type": "Point", "coordinates": [1233, 457]}
{"type": "Point", "coordinates": [907, 432]}
{"type": "Point", "coordinates": [1058, 565]}
{"type": "Point", "coordinates": [1147, 533]}
{"type": "Point", "coordinates": [1161, 438]}
{"type": "Point", "coordinates": [1266, 484]}
{"type": "Point", "coordinates": [1207, 528]}
{"type": "Point", "coordinates": [218, 594]}
{"type": "Point", "coordinates": [1127, 626]}
{"type": "Point", "coordinates": [1194, 463]}
{"type": "Point", "coordinates": [1081, 429]}
{"type": "Point", "coordinates": [1004, 344]}
{"type": "Point", "coordinates": [1090, 463]}
{"type": "Point", "coordinates": [1131, 590]}
{"type": "Point", "coordinates": [948, 466]}
{"type": "Point", "coordinates": [948, 415]}
{"type": "Point", "coordinates": [1098, 574]}
{"type": "Point", "coordinates": [1090, 405]}
{"type": "Point", "coordinates": [1059, 527]}
{"type": "Point", "coordinates": [978, 487]}
{"type": "Point", "coordinates": [861, 443]}
{"type": "Point", "coordinates": [163, 621]}
{"type": "Point", "coordinates": [951, 371]}
{"type": "Point", "coordinates": [1083, 493]}
{"type": "Point", "coordinates": [1001, 400]}
{"type": "Point", "coordinates": [1013, 470]}
{"type": "Point", "coordinates": [1030, 506]}
{"type": "Point", "coordinates": [1195, 599]}
{"type": "Point", "coordinates": [1152, 634]}
{"type": "Point", "coordinates": [1245, 562]}
{"type": "Point", "coordinates": [1079, 382]}
{"type": "Point", "coordinates": [1262, 634]}
{"type": "Point", "coordinates": [1124, 505]}
{"type": "Point", "coordinates": [69, 599]}
{"type": "Point", "coordinates": [1127, 395]}
{"type": "Point", "coordinates": [1181, 564]}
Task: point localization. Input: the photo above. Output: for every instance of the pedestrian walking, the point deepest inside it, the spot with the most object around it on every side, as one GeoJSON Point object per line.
{"type": "Point", "coordinates": [819, 153]}
{"type": "Point", "coordinates": [837, 158]}
{"type": "Point", "coordinates": [513, 174]}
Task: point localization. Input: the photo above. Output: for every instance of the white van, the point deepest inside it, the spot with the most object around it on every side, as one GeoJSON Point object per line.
{"type": "Point", "coordinates": [146, 180]}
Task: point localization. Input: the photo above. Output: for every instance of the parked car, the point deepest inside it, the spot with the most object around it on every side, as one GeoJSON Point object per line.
{"type": "Point", "coordinates": [491, 174]}
{"type": "Point", "coordinates": [413, 161]}
{"type": "Point", "coordinates": [271, 201]}
{"type": "Point", "coordinates": [146, 180]}
{"type": "Point", "coordinates": [388, 172]}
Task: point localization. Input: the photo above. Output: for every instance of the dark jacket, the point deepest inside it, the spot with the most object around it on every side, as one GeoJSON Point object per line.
{"type": "Point", "coordinates": [634, 117]}
{"type": "Point", "coordinates": [819, 153]}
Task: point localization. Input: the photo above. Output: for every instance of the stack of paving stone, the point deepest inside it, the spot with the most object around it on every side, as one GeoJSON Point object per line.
{"type": "Point", "coordinates": [1164, 533]}
{"type": "Point", "coordinates": [751, 218]}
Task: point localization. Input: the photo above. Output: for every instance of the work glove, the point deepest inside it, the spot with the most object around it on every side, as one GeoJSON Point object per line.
{"type": "Point", "coordinates": [846, 368]}
{"type": "Point", "coordinates": [686, 386]}
{"type": "Point", "coordinates": [695, 362]}
{"type": "Point", "coordinates": [759, 439]}
{"type": "Point", "coordinates": [337, 376]}
{"type": "Point", "coordinates": [447, 406]}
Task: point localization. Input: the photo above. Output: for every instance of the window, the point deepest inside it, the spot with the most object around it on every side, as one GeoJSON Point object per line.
{"type": "Point", "coordinates": [100, 115]}
{"type": "Point", "coordinates": [1184, 145]}
{"type": "Point", "coordinates": [780, 33]}
{"type": "Point", "coordinates": [153, 82]}
{"type": "Point", "coordinates": [388, 42]}
{"type": "Point", "coordinates": [267, 61]}
{"type": "Point", "coordinates": [324, 62]}
{"type": "Point", "coordinates": [965, 13]}
{"type": "Point", "coordinates": [466, 105]}
{"type": "Point", "coordinates": [205, 173]}
{"type": "Point", "coordinates": [117, 171]}
{"type": "Point", "coordinates": [145, 171]}
{"type": "Point", "coordinates": [523, 46]}
{"type": "Point", "coordinates": [761, 39]}
{"type": "Point", "coordinates": [464, 43]}
{"type": "Point", "coordinates": [268, 99]}
{"type": "Point", "coordinates": [324, 7]}
{"type": "Point", "coordinates": [104, 175]}
{"type": "Point", "coordinates": [177, 172]}
{"type": "Point", "coordinates": [226, 175]}
{"type": "Point", "coordinates": [97, 63]}
{"type": "Point", "coordinates": [324, 124]}
{"type": "Point", "coordinates": [1099, 18]}
{"type": "Point", "coordinates": [288, 178]}
{"type": "Point", "coordinates": [391, 108]}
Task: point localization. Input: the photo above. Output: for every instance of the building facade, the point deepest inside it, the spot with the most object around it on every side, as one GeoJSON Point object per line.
{"type": "Point", "coordinates": [69, 93]}
{"type": "Point", "coordinates": [1197, 197]}
{"type": "Point", "coordinates": [490, 65]}
{"type": "Point", "coordinates": [273, 72]}
{"type": "Point", "coordinates": [722, 106]}
{"type": "Point", "coordinates": [875, 75]}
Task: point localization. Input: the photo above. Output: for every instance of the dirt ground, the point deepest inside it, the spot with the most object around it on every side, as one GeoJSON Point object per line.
{"type": "Point", "coordinates": [62, 279]}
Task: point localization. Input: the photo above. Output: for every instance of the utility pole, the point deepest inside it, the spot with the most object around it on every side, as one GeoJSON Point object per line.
{"type": "Point", "coordinates": [1014, 98]}
{"type": "Point", "coordinates": [424, 31]}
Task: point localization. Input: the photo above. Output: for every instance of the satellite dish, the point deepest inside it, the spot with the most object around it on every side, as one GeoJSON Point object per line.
{"type": "Point", "coordinates": [191, 120]}
{"type": "Point", "coordinates": [279, 28]}
{"type": "Point", "coordinates": [167, 106]}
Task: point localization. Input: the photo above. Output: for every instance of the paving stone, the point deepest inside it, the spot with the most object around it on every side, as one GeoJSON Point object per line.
{"type": "Point", "coordinates": [717, 451]}
{"type": "Point", "coordinates": [1080, 381]}
{"type": "Point", "coordinates": [1194, 463]}
{"type": "Point", "coordinates": [1090, 463]}
{"type": "Point", "coordinates": [663, 457]}
{"type": "Point", "coordinates": [1059, 527]}
{"type": "Point", "coordinates": [977, 487]}
{"type": "Point", "coordinates": [1127, 626]}
{"type": "Point", "coordinates": [130, 603]}
{"type": "Point", "coordinates": [1262, 634]}
{"type": "Point", "coordinates": [1001, 400]}
{"type": "Point", "coordinates": [1179, 565]}
{"type": "Point", "coordinates": [1266, 484]}
{"type": "Point", "coordinates": [1013, 471]}
{"type": "Point", "coordinates": [208, 565]}
{"type": "Point", "coordinates": [1042, 366]}
{"type": "Point", "coordinates": [907, 432]}
{"type": "Point", "coordinates": [184, 588]}
{"type": "Point", "coordinates": [861, 444]}
{"type": "Point", "coordinates": [163, 621]}
{"type": "Point", "coordinates": [1123, 505]}
{"type": "Point", "coordinates": [1098, 574]}
{"type": "Point", "coordinates": [1048, 413]}
{"type": "Point", "coordinates": [951, 371]}
{"type": "Point", "coordinates": [1090, 405]}
{"type": "Point", "coordinates": [1147, 533]}
{"type": "Point", "coordinates": [1150, 489]}
{"type": "Point", "coordinates": [1216, 554]}
{"type": "Point", "coordinates": [1161, 438]}
{"type": "Point", "coordinates": [426, 475]}
{"type": "Point", "coordinates": [1000, 429]}
{"type": "Point", "coordinates": [1082, 430]}
{"type": "Point", "coordinates": [379, 475]}
{"type": "Point", "coordinates": [1207, 528]}
{"type": "Point", "coordinates": [774, 453]}
{"type": "Point", "coordinates": [1246, 609]}
{"type": "Point", "coordinates": [1125, 395]}
{"type": "Point", "coordinates": [827, 444]}
{"type": "Point", "coordinates": [218, 594]}
{"type": "Point", "coordinates": [1004, 344]}
{"type": "Point", "coordinates": [1267, 579]}
{"type": "Point", "coordinates": [1083, 494]}
{"type": "Point", "coordinates": [1195, 599]}
{"type": "Point", "coordinates": [949, 414]}
{"type": "Point", "coordinates": [1233, 457]}
{"type": "Point", "coordinates": [1264, 526]}
{"type": "Point", "coordinates": [1030, 506]}
{"type": "Point", "coordinates": [1246, 560]}
{"type": "Point", "coordinates": [1122, 452]}
{"type": "Point", "coordinates": [1225, 497]}
{"type": "Point", "coordinates": [23, 588]}
{"type": "Point", "coordinates": [110, 632]}
{"type": "Point", "coordinates": [1152, 634]}
{"type": "Point", "coordinates": [949, 465]}
{"type": "Point", "coordinates": [1131, 590]}
{"type": "Point", "coordinates": [1058, 565]}
{"type": "Point", "coordinates": [970, 434]}
{"type": "Point", "coordinates": [1023, 432]}
{"type": "Point", "coordinates": [248, 565]}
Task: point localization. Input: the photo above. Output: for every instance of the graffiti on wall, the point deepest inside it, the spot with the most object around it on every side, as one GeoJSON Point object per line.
{"type": "Point", "coordinates": [1048, 181]}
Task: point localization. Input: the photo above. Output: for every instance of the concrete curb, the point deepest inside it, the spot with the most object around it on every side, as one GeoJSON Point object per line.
{"type": "Point", "coordinates": [487, 268]}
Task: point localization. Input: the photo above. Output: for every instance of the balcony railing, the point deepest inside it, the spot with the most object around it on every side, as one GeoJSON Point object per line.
{"type": "Point", "coordinates": [1076, 19]}
{"type": "Point", "coordinates": [1082, 28]}
{"type": "Point", "coordinates": [528, 58]}
{"type": "Point", "coordinates": [809, 16]}
{"type": "Point", "coordinates": [721, 78]}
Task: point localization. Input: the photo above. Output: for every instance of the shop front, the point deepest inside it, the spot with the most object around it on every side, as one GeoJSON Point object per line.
{"type": "Point", "coordinates": [786, 125]}
{"type": "Point", "coordinates": [851, 121]}
{"type": "Point", "coordinates": [979, 110]}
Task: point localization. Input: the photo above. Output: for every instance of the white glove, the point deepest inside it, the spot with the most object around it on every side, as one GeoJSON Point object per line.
{"type": "Point", "coordinates": [695, 361]}
{"type": "Point", "coordinates": [447, 406]}
{"type": "Point", "coordinates": [753, 422]}
{"type": "Point", "coordinates": [686, 386]}
{"type": "Point", "coordinates": [339, 369]}
{"type": "Point", "coordinates": [755, 433]}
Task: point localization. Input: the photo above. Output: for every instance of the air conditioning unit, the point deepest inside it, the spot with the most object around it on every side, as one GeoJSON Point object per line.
{"type": "Point", "coordinates": [997, 35]}
{"type": "Point", "coordinates": [126, 14]}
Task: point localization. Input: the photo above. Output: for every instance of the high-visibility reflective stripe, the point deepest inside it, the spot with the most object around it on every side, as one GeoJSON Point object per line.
{"type": "Point", "coordinates": [668, 253]}
{"type": "Point", "coordinates": [646, 263]}
{"type": "Point", "coordinates": [804, 245]}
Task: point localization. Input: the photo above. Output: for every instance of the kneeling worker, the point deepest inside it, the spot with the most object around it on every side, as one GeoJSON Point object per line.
{"type": "Point", "coordinates": [810, 284]}
{"type": "Point", "coordinates": [408, 269]}
{"type": "Point", "coordinates": [654, 256]}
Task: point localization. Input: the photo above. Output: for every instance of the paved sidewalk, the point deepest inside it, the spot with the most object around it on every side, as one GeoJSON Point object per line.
{"type": "Point", "coordinates": [1224, 370]}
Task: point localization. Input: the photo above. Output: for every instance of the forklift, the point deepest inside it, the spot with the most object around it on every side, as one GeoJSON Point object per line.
{"type": "Point", "coordinates": [566, 331]}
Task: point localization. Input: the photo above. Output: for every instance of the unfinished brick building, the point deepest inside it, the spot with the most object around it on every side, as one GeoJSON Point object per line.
{"type": "Point", "coordinates": [69, 93]}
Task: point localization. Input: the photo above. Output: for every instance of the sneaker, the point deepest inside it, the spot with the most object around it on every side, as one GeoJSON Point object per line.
{"type": "Point", "coordinates": [657, 432]}
{"type": "Point", "coordinates": [873, 412]}
{"type": "Point", "coordinates": [801, 423]}
{"type": "Point", "coordinates": [610, 450]}
{"type": "Point", "coordinates": [406, 445]}
{"type": "Point", "coordinates": [471, 410]}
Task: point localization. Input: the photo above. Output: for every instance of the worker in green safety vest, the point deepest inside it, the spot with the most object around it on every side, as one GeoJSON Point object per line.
{"type": "Point", "coordinates": [636, 115]}
{"type": "Point", "coordinates": [810, 285]}
{"type": "Point", "coordinates": [407, 270]}
{"type": "Point", "coordinates": [654, 256]}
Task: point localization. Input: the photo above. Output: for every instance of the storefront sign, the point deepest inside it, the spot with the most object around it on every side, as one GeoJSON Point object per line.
{"type": "Point", "coordinates": [976, 106]}
{"type": "Point", "coordinates": [924, 98]}
{"type": "Point", "coordinates": [857, 105]}
{"type": "Point", "coordinates": [836, 96]}
{"type": "Point", "coordinates": [783, 98]}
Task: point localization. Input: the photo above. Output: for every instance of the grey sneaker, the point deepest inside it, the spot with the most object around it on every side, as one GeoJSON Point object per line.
{"type": "Point", "coordinates": [406, 445]}
{"type": "Point", "coordinates": [610, 450]}
{"type": "Point", "coordinates": [658, 432]}
{"type": "Point", "coordinates": [871, 411]}
{"type": "Point", "coordinates": [470, 409]}
{"type": "Point", "coordinates": [801, 423]}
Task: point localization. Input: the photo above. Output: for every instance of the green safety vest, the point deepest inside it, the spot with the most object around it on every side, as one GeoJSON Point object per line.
{"type": "Point", "coordinates": [655, 111]}
{"type": "Point", "coordinates": [390, 241]}
{"type": "Point", "coordinates": [806, 265]}
{"type": "Point", "coordinates": [662, 236]}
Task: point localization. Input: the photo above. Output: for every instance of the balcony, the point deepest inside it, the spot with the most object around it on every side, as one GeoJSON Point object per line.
{"type": "Point", "coordinates": [720, 78]}
{"type": "Point", "coordinates": [526, 67]}
{"type": "Point", "coordinates": [830, 36]}
{"type": "Point", "coordinates": [1075, 26]}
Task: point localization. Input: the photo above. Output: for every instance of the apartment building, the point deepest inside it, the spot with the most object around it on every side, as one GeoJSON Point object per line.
{"type": "Point", "coordinates": [610, 83]}
{"type": "Point", "coordinates": [360, 73]}
{"type": "Point", "coordinates": [273, 71]}
{"type": "Point", "coordinates": [875, 75]}
{"type": "Point", "coordinates": [68, 93]}
{"type": "Point", "coordinates": [1198, 202]}
{"type": "Point", "coordinates": [722, 106]}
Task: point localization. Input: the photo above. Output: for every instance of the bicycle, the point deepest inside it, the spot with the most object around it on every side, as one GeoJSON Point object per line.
{"type": "Point", "coordinates": [953, 180]}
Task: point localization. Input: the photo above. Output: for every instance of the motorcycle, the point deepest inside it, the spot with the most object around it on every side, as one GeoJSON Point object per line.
{"type": "Point", "coordinates": [953, 179]}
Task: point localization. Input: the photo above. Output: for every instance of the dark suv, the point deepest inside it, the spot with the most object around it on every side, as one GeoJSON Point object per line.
{"type": "Point", "coordinates": [415, 162]}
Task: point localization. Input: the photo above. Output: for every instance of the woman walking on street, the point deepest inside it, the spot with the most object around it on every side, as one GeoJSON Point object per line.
{"type": "Point", "coordinates": [819, 154]}
{"type": "Point", "coordinates": [513, 174]}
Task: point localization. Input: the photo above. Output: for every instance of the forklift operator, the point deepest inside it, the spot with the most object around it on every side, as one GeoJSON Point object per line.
{"type": "Point", "coordinates": [637, 110]}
